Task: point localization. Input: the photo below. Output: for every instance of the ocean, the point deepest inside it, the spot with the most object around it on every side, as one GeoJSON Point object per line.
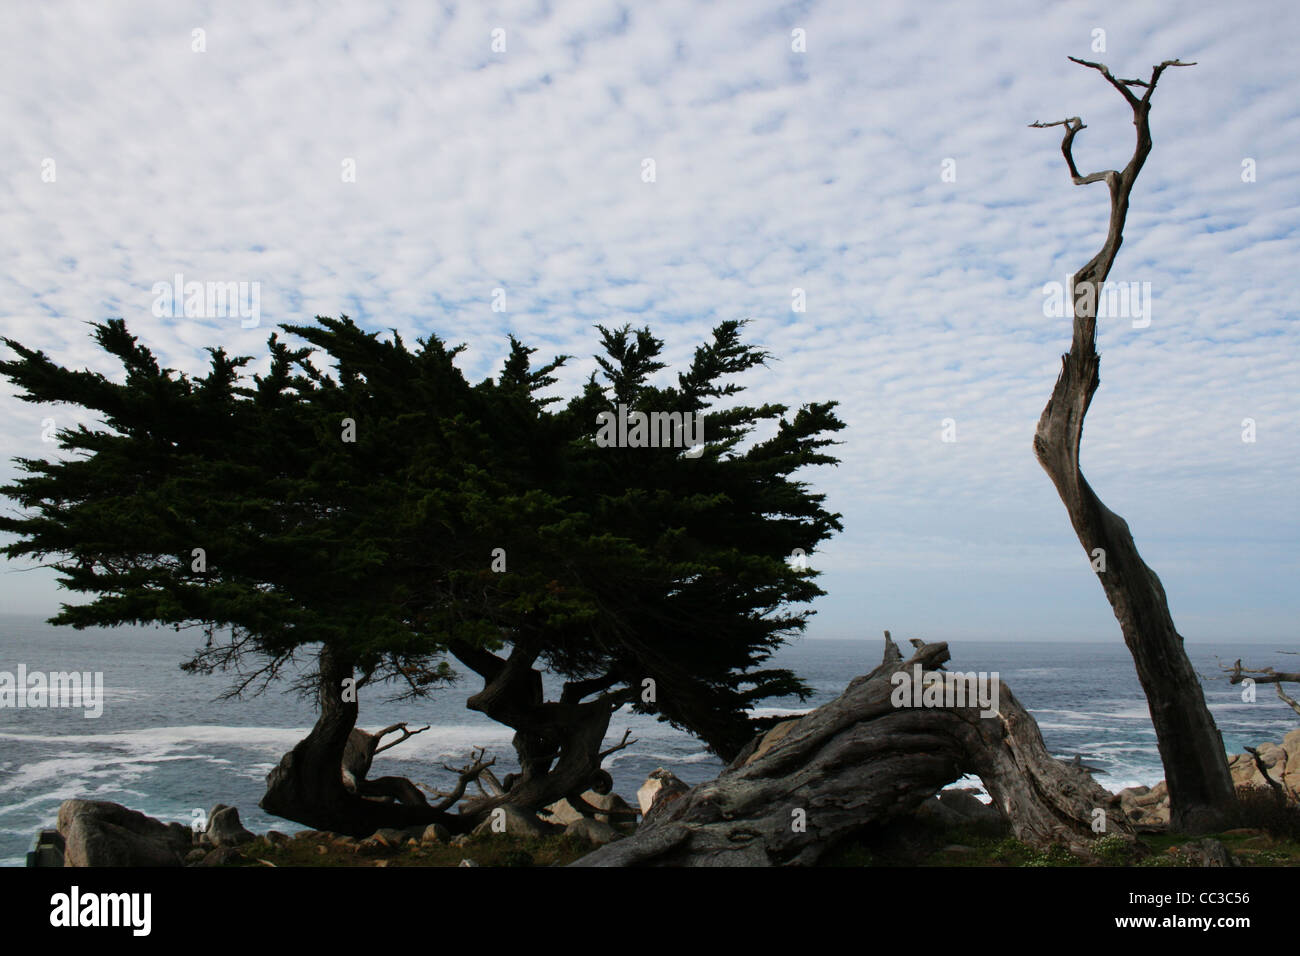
{"type": "Point", "coordinates": [165, 745]}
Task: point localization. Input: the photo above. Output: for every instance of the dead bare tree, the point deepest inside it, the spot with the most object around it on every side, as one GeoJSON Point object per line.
{"type": "Point", "coordinates": [863, 760]}
{"type": "Point", "coordinates": [1266, 675]}
{"type": "Point", "coordinates": [1191, 749]}
{"type": "Point", "coordinates": [476, 771]}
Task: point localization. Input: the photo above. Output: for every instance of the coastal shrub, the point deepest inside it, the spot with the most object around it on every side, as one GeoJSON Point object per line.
{"type": "Point", "coordinates": [1261, 808]}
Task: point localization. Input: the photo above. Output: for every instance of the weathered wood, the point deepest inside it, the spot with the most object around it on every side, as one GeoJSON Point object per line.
{"type": "Point", "coordinates": [308, 785]}
{"type": "Point", "coordinates": [860, 760]}
{"type": "Point", "coordinates": [1266, 675]}
{"type": "Point", "coordinates": [1191, 749]}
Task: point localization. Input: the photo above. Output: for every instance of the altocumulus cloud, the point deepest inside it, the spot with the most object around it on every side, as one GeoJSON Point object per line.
{"type": "Point", "coordinates": [520, 169]}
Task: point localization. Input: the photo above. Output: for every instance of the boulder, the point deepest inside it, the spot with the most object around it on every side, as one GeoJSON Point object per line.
{"type": "Point", "coordinates": [517, 822]}
{"type": "Point", "coordinates": [98, 833]}
{"type": "Point", "coordinates": [1282, 761]}
{"type": "Point", "coordinates": [224, 828]}
{"type": "Point", "coordinates": [611, 808]}
{"type": "Point", "coordinates": [660, 789]}
{"type": "Point", "coordinates": [1207, 852]}
{"type": "Point", "coordinates": [1128, 796]}
{"type": "Point", "coordinates": [388, 837]}
{"type": "Point", "coordinates": [933, 811]}
{"type": "Point", "coordinates": [1291, 776]}
{"type": "Point", "coordinates": [435, 833]}
{"type": "Point", "coordinates": [1156, 796]}
{"type": "Point", "coordinates": [591, 830]}
{"type": "Point", "coordinates": [972, 809]}
{"type": "Point", "coordinates": [1273, 757]}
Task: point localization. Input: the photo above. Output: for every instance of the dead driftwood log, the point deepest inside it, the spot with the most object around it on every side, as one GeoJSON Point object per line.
{"type": "Point", "coordinates": [864, 760]}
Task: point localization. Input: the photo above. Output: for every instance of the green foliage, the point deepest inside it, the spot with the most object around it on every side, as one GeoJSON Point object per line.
{"type": "Point", "coordinates": [622, 563]}
{"type": "Point", "coordinates": [1012, 852]}
{"type": "Point", "coordinates": [1057, 854]}
{"type": "Point", "coordinates": [1114, 850]}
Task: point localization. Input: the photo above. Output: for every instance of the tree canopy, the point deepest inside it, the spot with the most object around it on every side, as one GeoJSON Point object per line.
{"type": "Point", "coordinates": [362, 500]}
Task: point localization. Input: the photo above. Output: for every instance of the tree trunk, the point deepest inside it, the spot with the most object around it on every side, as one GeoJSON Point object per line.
{"type": "Point", "coordinates": [308, 784]}
{"type": "Point", "coordinates": [1191, 749]}
{"type": "Point", "coordinates": [558, 743]}
{"type": "Point", "coordinates": [863, 760]}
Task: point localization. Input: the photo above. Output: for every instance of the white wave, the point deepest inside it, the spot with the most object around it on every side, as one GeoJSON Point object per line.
{"type": "Point", "coordinates": [781, 711]}
{"type": "Point", "coordinates": [663, 759]}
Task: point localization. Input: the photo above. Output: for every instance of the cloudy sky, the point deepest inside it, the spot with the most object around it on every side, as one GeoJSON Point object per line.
{"type": "Point", "coordinates": [400, 164]}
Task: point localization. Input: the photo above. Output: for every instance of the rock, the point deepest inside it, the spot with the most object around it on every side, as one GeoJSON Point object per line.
{"type": "Point", "coordinates": [415, 833]}
{"type": "Point", "coordinates": [276, 838]}
{"type": "Point", "coordinates": [934, 811]}
{"type": "Point", "coordinates": [321, 849]}
{"type": "Point", "coordinates": [1159, 794]}
{"type": "Point", "coordinates": [515, 822]}
{"type": "Point", "coordinates": [1208, 852]}
{"type": "Point", "coordinates": [958, 849]}
{"type": "Point", "coordinates": [1282, 761]}
{"type": "Point", "coordinates": [964, 802]}
{"type": "Point", "coordinates": [195, 855]}
{"type": "Point", "coordinates": [1273, 757]}
{"type": "Point", "coordinates": [459, 841]}
{"type": "Point", "coordinates": [562, 812]}
{"type": "Point", "coordinates": [387, 836]}
{"type": "Point", "coordinates": [591, 830]}
{"type": "Point", "coordinates": [660, 789]}
{"type": "Point", "coordinates": [47, 850]}
{"type": "Point", "coordinates": [307, 835]}
{"type": "Point", "coordinates": [1291, 776]}
{"type": "Point", "coordinates": [98, 833]}
{"type": "Point", "coordinates": [224, 828]}
{"type": "Point", "coordinates": [1130, 794]}
{"type": "Point", "coordinates": [435, 833]}
{"type": "Point", "coordinates": [223, 856]}
{"type": "Point", "coordinates": [468, 863]}
{"type": "Point", "coordinates": [381, 862]}
{"type": "Point", "coordinates": [1155, 816]}
{"type": "Point", "coordinates": [611, 808]}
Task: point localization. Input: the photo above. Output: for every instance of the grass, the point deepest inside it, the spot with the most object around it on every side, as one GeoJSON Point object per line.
{"type": "Point", "coordinates": [1263, 833]}
{"type": "Point", "coordinates": [318, 849]}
